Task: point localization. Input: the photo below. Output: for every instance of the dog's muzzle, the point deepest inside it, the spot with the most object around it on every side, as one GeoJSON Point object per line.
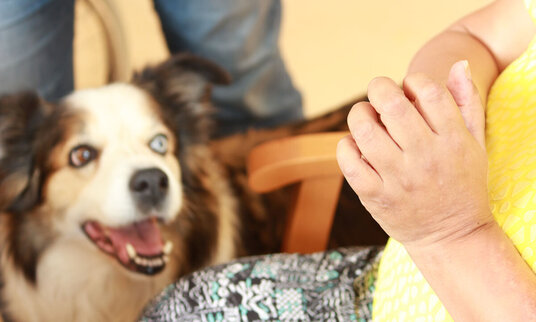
{"type": "Point", "coordinates": [149, 188]}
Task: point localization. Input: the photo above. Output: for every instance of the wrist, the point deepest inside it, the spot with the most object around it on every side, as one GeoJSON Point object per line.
{"type": "Point", "coordinates": [469, 233]}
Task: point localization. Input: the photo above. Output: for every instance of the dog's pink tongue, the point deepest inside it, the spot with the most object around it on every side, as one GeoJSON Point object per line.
{"type": "Point", "coordinates": [144, 236]}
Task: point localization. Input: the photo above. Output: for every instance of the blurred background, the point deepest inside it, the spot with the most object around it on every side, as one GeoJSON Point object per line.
{"type": "Point", "coordinates": [332, 48]}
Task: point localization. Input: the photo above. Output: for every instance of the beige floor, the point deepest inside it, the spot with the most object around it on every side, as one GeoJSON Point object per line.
{"type": "Point", "coordinates": [332, 48]}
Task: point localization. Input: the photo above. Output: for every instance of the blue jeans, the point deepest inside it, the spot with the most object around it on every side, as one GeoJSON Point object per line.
{"type": "Point", "coordinates": [36, 38]}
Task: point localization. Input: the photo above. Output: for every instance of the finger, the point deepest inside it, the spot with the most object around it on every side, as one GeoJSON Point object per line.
{"type": "Point", "coordinates": [401, 119]}
{"type": "Point", "coordinates": [434, 102]}
{"type": "Point", "coordinates": [466, 96]}
{"type": "Point", "coordinates": [372, 139]}
{"type": "Point", "coordinates": [359, 174]}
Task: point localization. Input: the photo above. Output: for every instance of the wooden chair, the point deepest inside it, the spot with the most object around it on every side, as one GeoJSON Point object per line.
{"type": "Point", "coordinates": [118, 68]}
{"type": "Point", "coordinates": [308, 160]}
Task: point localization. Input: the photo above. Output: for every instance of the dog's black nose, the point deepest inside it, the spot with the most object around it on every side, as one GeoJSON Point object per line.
{"type": "Point", "coordinates": [149, 188]}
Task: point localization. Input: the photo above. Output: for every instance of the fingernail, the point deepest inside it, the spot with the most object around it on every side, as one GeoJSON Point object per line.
{"type": "Point", "coordinates": [467, 70]}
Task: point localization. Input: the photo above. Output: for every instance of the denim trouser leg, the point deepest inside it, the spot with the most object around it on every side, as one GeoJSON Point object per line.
{"type": "Point", "coordinates": [242, 36]}
{"type": "Point", "coordinates": [36, 38]}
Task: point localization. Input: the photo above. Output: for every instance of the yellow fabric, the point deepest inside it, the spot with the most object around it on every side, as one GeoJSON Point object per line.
{"type": "Point", "coordinates": [402, 294]}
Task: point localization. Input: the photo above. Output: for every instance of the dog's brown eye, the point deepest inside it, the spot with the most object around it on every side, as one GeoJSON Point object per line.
{"type": "Point", "coordinates": [82, 155]}
{"type": "Point", "coordinates": [159, 144]}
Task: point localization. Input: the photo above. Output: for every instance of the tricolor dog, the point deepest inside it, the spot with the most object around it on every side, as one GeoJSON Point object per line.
{"type": "Point", "coordinates": [112, 193]}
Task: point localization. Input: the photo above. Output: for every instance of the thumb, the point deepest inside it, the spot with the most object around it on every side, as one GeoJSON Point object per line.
{"type": "Point", "coordinates": [466, 96]}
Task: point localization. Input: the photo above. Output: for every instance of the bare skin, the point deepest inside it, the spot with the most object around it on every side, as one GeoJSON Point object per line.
{"type": "Point", "coordinates": [416, 157]}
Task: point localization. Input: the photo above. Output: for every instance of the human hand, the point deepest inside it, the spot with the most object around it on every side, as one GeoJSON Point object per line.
{"type": "Point", "coordinates": [415, 164]}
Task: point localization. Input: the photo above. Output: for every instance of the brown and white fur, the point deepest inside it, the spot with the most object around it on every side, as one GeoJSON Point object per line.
{"type": "Point", "coordinates": [50, 268]}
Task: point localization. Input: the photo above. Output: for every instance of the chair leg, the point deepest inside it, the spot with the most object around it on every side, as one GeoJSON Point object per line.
{"type": "Point", "coordinates": [118, 65]}
{"type": "Point", "coordinates": [309, 221]}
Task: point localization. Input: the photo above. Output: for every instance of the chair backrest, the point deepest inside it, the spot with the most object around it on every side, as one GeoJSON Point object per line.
{"type": "Point", "coordinates": [308, 160]}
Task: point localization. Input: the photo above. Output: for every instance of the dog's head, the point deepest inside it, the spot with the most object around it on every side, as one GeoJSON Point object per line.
{"type": "Point", "coordinates": [104, 165]}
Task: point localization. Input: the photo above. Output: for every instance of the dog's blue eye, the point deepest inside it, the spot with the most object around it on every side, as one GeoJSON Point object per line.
{"type": "Point", "coordinates": [159, 144]}
{"type": "Point", "coordinates": [82, 155]}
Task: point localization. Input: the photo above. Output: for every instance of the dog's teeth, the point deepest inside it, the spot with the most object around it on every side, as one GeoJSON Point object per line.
{"type": "Point", "coordinates": [168, 247]}
{"type": "Point", "coordinates": [155, 262]}
{"type": "Point", "coordinates": [131, 251]}
{"type": "Point", "coordinates": [138, 260]}
{"type": "Point", "coordinates": [151, 262]}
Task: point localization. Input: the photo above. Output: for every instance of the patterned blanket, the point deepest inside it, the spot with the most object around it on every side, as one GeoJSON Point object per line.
{"type": "Point", "coordinates": [284, 287]}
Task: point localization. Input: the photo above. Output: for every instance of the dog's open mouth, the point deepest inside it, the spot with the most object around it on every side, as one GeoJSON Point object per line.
{"type": "Point", "coordinates": [138, 247]}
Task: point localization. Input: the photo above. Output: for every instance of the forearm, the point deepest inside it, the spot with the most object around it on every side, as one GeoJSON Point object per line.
{"type": "Point", "coordinates": [479, 278]}
{"type": "Point", "coordinates": [490, 39]}
{"type": "Point", "coordinates": [437, 56]}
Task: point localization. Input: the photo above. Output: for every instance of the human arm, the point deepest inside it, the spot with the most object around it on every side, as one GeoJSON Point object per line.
{"type": "Point", "coordinates": [481, 277]}
{"type": "Point", "coordinates": [423, 177]}
{"type": "Point", "coordinates": [489, 39]}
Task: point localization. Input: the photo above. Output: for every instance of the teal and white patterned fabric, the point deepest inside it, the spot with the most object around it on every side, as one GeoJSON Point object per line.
{"type": "Point", "coordinates": [280, 287]}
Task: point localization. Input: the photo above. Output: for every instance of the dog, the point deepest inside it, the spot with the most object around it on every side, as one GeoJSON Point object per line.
{"type": "Point", "coordinates": [112, 193]}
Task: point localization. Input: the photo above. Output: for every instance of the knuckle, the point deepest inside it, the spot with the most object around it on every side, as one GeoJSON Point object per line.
{"type": "Point", "coordinates": [380, 201]}
{"type": "Point", "coordinates": [422, 143]}
{"type": "Point", "coordinates": [356, 112]}
{"type": "Point", "coordinates": [413, 80]}
{"type": "Point", "coordinates": [364, 191]}
{"type": "Point", "coordinates": [350, 171]}
{"type": "Point", "coordinates": [358, 105]}
{"type": "Point", "coordinates": [432, 91]}
{"type": "Point", "coordinates": [346, 157]}
{"type": "Point", "coordinates": [377, 82]}
{"type": "Point", "coordinates": [363, 130]}
{"type": "Point", "coordinates": [395, 104]}
{"type": "Point", "coordinates": [407, 183]}
{"type": "Point", "coordinates": [455, 143]}
{"type": "Point", "coordinates": [361, 183]}
{"type": "Point", "coordinates": [429, 165]}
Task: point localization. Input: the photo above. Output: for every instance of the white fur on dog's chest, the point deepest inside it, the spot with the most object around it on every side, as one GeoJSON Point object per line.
{"type": "Point", "coordinates": [79, 285]}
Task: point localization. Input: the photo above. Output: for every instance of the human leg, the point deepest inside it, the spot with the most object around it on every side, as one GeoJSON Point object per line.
{"type": "Point", "coordinates": [241, 36]}
{"type": "Point", "coordinates": [36, 40]}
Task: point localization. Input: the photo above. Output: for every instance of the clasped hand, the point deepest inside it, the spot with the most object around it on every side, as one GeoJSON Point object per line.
{"type": "Point", "coordinates": [416, 157]}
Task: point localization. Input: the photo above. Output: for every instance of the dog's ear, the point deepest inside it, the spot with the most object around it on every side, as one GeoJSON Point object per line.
{"type": "Point", "coordinates": [21, 116]}
{"type": "Point", "coordinates": [185, 75]}
{"type": "Point", "coordinates": [181, 86]}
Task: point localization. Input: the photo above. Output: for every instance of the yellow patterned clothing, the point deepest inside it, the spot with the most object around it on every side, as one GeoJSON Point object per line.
{"type": "Point", "coordinates": [402, 294]}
